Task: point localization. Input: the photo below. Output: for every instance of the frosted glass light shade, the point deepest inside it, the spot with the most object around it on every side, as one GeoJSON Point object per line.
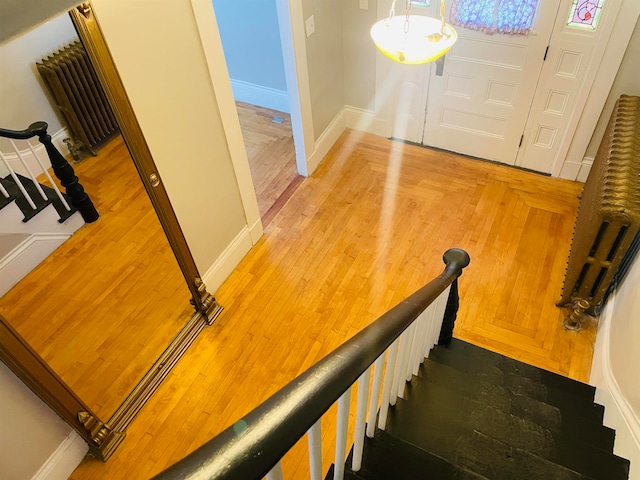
{"type": "Point", "coordinates": [422, 43]}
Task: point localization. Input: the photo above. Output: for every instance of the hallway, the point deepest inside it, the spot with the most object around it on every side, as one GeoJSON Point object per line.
{"type": "Point", "coordinates": [367, 229]}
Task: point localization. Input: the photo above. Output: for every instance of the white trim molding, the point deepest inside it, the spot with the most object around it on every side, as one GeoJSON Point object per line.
{"type": "Point", "coordinates": [618, 413]}
{"type": "Point", "coordinates": [64, 460]}
{"type": "Point", "coordinates": [585, 168]}
{"type": "Point", "coordinates": [26, 256]}
{"type": "Point", "coordinates": [261, 96]}
{"type": "Point", "coordinates": [327, 139]}
{"type": "Point", "coordinates": [360, 119]}
{"type": "Point", "coordinates": [228, 260]}
{"type": "Point", "coordinates": [221, 85]}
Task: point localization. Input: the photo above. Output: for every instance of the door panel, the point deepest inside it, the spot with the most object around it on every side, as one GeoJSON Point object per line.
{"type": "Point", "coordinates": [479, 106]}
{"type": "Point", "coordinates": [565, 82]}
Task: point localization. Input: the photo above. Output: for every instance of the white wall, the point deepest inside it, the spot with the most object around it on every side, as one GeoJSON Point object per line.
{"type": "Point", "coordinates": [159, 56]}
{"type": "Point", "coordinates": [22, 93]}
{"type": "Point", "coordinates": [325, 60]}
{"type": "Point", "coordinates": [251, 42]}
{"type": "Point", "coordinates": [32, 435]}
{"type": "Point", "coordinates": [627, 81]}
{"type": "Point", "coordinates": [615, 367]}
{"type": "Point", "coordinates": [16, 17]}
{"type": "Point", "coordinates": [359, 55]}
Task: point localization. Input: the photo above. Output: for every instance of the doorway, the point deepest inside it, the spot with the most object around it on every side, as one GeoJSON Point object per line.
{"type": "Point", "coordinates": [252, 44]}
{"type": "Point", "coordinates": [507, 98]}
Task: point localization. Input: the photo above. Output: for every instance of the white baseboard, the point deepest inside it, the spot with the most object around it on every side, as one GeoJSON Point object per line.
{"type": "Point", "coordinates": [570, 170]}
{"type": "Point", "coordinates": [578, 171]}
{"type": "Point", "coordinates": [15, 163]}
{"type": "Point", "coordinates": [229, 260]}
{"type": "Point", "coordinates": [360, 119]}
{"type": "Point", "coordinates": [25, 257]}
{"type": "Point", "coordinates": [585, 168]}
{"type": "Point", "coordinates": [618, 413]}
{"type": "Point", "coordinates": [261, 96]}
{"type": "Point", "coordinates": [326, 140]}
{"type": "Point", "coordinates": [256, 231]}
{"type": "Point", "coordinates": [64, 460]}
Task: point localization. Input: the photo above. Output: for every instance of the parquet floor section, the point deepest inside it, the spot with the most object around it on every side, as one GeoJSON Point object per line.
{"type": "Point", "coordinates": [104, 306]}
{"type": "Point", "coordinates": [366, 230]}
{"type": "Point", "coordinates": [270, 151]}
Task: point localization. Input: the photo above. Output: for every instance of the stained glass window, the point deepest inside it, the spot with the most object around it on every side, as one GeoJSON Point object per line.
{"type": "Point", "coordinates": [495, 16]}
{"type": "Point", "coordinates": [585, 13]}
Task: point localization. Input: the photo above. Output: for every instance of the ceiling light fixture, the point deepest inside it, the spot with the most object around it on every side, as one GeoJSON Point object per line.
{"type": "Point", "coordinates": [413, 39]}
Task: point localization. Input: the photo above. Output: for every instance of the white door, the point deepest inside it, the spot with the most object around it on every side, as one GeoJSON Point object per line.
{"type": "Point", "coordinates": [564, 86]}
{"type": "Point", "coordinates": [478, 103]}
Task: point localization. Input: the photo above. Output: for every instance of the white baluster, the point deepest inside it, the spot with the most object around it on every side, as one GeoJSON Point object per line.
{"type": "Point", "coordinates": [375, 395]}
{"type": "Point", "coordinates": [361, 417]}
{"type": "Point", "coordinates": [431, 330]}
{"type": "Point", "coordinates": [53, 184]}
{"type": "Point", "coordinates": [440, 307]}
{"type": "Point", "coordinates": [314, 437]}
{"type": "Point", "coordinates": [401, 366]}
{"type": "Point", "coordinates": [28, 169]}
{"type": "Point", "coordinates": [413, 352]}
{"type": "Point", "coordinates": [276, 473]}
{"type": "Point", "coordinates": [388, 379]}
{"type": "Point", "coordinates": [4, 191]}
{"type": "Point", "coordinates": [17, 181]}
{"type": "Point", "coordinates": [423, 328]}
{"type": "Point", "coordinates": [341, 434]}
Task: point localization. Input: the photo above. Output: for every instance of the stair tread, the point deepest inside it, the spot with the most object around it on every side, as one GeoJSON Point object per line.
{"type": "Point", "coordinates": [386, 457]}
{"type": "Point", "coordinates": [499, 461]}
{"type": "Point", "coordinates": [41, 204]}
{"type": "Point", "coordinates": [546, 377]}
{"type": "Point", "coordinates": [439, 418]}
{"type": "Point", "coordinates": [523, 379]}
{"type": "Point", "coordinates": [560, 421]}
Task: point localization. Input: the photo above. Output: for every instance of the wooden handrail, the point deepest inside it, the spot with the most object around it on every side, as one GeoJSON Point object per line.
{"type": "Point", "coordinates": [62, 169]}
{"type": "Point", "coordinates": [251, 447]}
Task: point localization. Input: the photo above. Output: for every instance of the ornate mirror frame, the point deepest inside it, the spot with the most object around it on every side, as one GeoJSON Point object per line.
{"type": "Point", "coordinates": [104, 435]}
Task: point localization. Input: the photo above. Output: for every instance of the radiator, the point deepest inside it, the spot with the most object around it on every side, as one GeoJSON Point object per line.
{"type": "Point", "coordinates": [76, 90]}
{"type": "Point", "coordinates": [608, 216]}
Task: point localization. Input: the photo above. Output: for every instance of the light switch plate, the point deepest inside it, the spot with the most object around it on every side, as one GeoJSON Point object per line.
{"type": "Point", "coordinates": [364, 4]}
{"type": "Point", "coordinates": [310, 24]}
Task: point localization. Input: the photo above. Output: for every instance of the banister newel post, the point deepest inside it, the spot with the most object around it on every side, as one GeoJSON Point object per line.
{"type": "Point", "coordinates": [456, 260]}
{"type": "Point", "coordinates": [65, 173]}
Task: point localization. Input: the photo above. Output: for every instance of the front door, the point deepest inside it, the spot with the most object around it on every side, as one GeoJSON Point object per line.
{"type": "Point", "coordinates": [479, 99]}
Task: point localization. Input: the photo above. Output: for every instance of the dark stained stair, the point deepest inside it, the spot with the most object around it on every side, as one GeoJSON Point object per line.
{"type": "Point", "coordinates": [472, 414]}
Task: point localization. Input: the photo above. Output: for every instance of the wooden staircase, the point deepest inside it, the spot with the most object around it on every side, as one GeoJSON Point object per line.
{"type": "Point", "coordinates": [472, 414]}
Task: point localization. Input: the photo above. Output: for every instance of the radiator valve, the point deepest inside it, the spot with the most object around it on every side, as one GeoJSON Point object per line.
{"type": "Point", "coordinates": [574, 321]}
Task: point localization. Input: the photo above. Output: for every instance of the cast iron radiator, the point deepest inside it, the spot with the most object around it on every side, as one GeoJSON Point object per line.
{"type": "Point", "coordinates": [76, 90]}
{"type": "Point", "coordinates": [608, 216]}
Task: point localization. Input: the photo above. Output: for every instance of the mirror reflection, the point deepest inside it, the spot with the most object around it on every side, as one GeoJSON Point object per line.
{"type": "Point", "coordinates": [99, 302]}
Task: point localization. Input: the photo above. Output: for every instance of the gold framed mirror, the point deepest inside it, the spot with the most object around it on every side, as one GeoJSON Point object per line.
{"type": "Point", "coordinates": [104, 429]}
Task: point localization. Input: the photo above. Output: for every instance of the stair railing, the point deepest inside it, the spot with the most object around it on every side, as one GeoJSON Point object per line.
{"type": "Point", "coordinates": [61, 168]}
{"type": "Point", "coordinates": [391, 348]}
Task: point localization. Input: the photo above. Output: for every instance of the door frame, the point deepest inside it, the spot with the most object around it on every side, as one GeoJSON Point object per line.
{"type": "Point", "coordinates": [292, 37]}
{"type": "Point", "coordinates": [581, 129]}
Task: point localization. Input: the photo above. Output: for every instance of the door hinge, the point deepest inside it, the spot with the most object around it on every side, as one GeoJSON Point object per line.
{"type": "Point", "coordinates": [545, 53]}
{"type": "Point", "coordinates": [521, 139]}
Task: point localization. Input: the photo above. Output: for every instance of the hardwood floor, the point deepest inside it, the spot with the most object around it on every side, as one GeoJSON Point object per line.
{"type": "Point", "coordinates": [364, 231]}
{"type": "Point", "coordinates": [272, 159]}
